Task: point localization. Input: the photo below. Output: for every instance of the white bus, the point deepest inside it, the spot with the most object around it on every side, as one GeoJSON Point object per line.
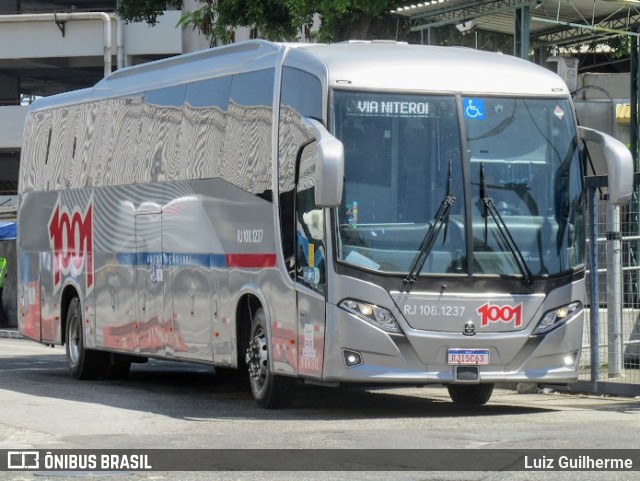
{"type": "Point", "coordinates": [365, 212]}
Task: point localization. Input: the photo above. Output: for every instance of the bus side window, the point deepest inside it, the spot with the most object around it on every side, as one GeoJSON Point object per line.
{"type": "Point", "coordinates": [246, 151]}
{"type": "Point", "coordinates": [162, 108]}
{"type": "Point", "coordinates": [203, 126]}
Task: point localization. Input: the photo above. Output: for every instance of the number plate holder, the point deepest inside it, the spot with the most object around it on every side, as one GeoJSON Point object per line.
{"type": "Point", "coordinates": [468, 357]}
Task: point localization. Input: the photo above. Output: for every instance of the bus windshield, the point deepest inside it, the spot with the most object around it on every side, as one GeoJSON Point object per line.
{"type": "Point", "coordinates": [407, 156]}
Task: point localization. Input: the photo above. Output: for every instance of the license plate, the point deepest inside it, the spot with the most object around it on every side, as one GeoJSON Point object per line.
{"type": "Point", "coordinates": [468, 356]}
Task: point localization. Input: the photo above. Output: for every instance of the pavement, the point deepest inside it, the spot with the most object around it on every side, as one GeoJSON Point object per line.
{"type": "Point", "coordinates": [10, 332]}
{"type": "Point", "coordinates": [520, 387]}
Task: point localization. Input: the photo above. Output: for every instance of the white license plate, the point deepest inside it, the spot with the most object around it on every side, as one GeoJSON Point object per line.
{"type": "Point", "coordinates": [468, 356]}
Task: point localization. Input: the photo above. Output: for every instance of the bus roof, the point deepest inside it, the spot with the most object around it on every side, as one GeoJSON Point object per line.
{"type": "Point", "coordinates": [361, 65]}
{"type": "Point", "coordinates": [209, 63]}
{"type": "Point", "coordinates": [400, 66]}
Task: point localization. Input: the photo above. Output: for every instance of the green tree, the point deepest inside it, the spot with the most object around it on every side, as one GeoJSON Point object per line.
{"type": "Point", "coordinates": [284, 20]}
{"type": "Point", "coordinates": [144, 10]}
{"type": "Point", "coordinates": [274, 19]}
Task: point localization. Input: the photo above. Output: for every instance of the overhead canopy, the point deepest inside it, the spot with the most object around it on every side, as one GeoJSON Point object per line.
{"type": "Point", "coordinates": [547, 22]}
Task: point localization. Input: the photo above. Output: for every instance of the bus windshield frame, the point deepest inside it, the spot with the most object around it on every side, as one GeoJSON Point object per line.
{"type": "Point", "coordinates": [509, 167]}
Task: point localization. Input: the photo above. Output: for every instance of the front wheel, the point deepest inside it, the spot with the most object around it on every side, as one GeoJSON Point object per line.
{"type": "Point", "coordinates": [470, 394]}
{"type": "Point", "coordinates": [269, 390]}
{"type": "Point", "coordinates": [83, 363]}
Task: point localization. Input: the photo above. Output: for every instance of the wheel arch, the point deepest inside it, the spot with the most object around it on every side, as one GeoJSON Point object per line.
{"type": "Point", "coordinates": [68, 294]}
{"type": "Point", "coordinates": [249, 301]}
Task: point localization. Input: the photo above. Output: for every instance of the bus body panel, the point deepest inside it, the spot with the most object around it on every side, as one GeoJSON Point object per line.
{"type": "Point", "coordinates": [165, 197]}
{"type": "Point", "coordinates": [416, 355]}
{"type": "Point", "coordinates": [168, 266]}
{"type": "Point", "coordinates": [421, 356]}
{"type": "Point", "coordinates": [446, 312]}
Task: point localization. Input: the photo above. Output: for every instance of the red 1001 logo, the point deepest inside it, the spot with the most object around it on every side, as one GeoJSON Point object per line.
{"type": "Point", "coordinates": [71, 239]}
{"type": "Point", "coordinates": [493, 313]}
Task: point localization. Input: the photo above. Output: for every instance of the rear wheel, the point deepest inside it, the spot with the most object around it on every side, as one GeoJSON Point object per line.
{"type": "Point", "coordinates": [83, 363]}
{"type": "Point", "coordinates": [269, 390]}
{"type": "Point", "coordinates": [471, 394]}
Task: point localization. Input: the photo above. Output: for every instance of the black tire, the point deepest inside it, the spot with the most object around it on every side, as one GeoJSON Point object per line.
{"type": "Point", "coordinates": [470, 394]}
{"type": "Point", "coordinates": [269, 390]}
{"type": "Point", "coordinates": [83, 363]}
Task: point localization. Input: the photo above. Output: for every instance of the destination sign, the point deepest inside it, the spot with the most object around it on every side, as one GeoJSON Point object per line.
{"type": "Point", "coordinates": [384, 108]}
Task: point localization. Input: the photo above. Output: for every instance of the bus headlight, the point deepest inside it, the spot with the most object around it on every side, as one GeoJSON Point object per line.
{"type": "Point", "coordinates": [378, 316]}
{"type": "Point", "coordinates": [557, 317]}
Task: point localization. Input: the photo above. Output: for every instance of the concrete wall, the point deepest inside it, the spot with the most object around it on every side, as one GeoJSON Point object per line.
{"type": "Point", "coordinates": [602, 86]}
{"type": "Point", "coordinates": [163, 39]}
{"type": "Point", "coordinates": [597, 103]}
{"type": "Point", "coordinates": [12, 119]}
{"type": "Point", "coordinates": [84, 38]}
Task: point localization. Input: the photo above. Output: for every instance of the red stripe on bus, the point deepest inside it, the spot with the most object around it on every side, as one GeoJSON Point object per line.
{"type": "Point", "coordinates": [251, 260]}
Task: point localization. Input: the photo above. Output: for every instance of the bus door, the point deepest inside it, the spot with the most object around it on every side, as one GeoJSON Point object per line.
{"type": "Point", "coordinates": [310, 268]}
{"type": "Point", "coordinates": [153, 328]}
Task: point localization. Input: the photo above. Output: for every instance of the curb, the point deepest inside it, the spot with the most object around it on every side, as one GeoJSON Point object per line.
{"type": "Point", "coordinates": [10, 333]}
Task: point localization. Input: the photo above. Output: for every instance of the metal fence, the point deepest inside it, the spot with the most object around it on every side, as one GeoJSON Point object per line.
{"type": "Point", "coordinates": [610, 362]}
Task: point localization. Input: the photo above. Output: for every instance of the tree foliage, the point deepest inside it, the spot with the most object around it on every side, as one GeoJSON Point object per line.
{"type": "Point", "coordinates": [144, 10]}
{"type": "Point", "coordinates": [288, 19]}
{"type": "Point", "coordinates": [273, 19]}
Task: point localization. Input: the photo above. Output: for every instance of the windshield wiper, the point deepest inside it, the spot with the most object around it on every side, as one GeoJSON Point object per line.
{"type": "Point", "coordinates": [440, 220]}
{"type": "Point", "coordinates": [491, 209]}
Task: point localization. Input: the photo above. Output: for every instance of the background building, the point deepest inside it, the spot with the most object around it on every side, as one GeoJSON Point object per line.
{"type": "Point", "coordinates": [53, 46]}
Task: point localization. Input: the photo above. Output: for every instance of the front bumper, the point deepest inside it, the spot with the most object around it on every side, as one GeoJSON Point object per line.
{"type": "Point", "coordinates": [420, 357]}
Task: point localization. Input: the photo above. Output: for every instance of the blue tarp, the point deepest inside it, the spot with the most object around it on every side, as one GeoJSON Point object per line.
{"type": "Point", "coordinates": [7, 230]}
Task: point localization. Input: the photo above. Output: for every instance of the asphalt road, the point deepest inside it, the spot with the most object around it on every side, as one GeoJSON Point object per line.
{"type": "Point", "coordinates": [181, 406]}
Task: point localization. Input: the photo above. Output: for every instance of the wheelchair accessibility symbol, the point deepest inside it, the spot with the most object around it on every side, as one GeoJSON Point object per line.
{"type": "Point", "coordinates": [473, 108]}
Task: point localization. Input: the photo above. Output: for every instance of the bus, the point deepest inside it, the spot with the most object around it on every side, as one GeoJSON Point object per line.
{"type": "Point", "coordinates": [362, 213]}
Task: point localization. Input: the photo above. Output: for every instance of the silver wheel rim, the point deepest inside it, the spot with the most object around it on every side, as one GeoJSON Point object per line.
{"type": "Point", "coordinates": [74, 340]}
{"type": "Point", "coordinates": [257, 359]}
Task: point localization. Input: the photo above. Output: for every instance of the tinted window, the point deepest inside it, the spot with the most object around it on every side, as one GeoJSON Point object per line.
{"type": "Point", "coordinates": [253, 88]}
{"type": "Point", "coordinates": [202, 131]}
{"type": "Point", "coordinates": [170, 96]}
{"type": "Point", "coordinates": [209, 93]}
{"type": "Point", "coordinates": [302, 91]}
{"type": "Point", "coordinates": [246, 149]}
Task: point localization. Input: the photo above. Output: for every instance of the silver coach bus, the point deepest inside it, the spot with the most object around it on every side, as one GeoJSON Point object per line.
{"type": "Point", "coordinates": [364, 212]}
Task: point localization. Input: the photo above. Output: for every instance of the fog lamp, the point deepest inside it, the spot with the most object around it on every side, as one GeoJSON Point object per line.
{"type": "Point", "coordinates": [569, 360]}
{"type": "Point", "coordinates": [352, 358]}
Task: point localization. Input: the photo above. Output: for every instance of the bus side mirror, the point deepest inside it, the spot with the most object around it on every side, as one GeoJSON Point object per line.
{"type": "Point", "coordinates": [618, 161]}
{"type": "Point", "coordinates": [329, 165]}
